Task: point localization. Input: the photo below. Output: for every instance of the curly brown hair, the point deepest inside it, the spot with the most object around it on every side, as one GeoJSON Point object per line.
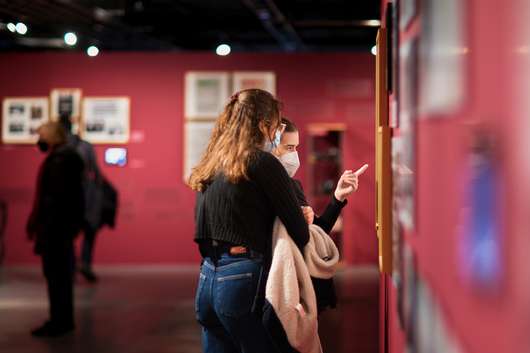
{"type": "Point", "coordinates": [250, 115]}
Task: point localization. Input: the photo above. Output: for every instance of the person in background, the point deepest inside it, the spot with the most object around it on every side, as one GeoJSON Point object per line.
{"type": "Point", "coordinates": [93, 185]}
{"type": "Point", "coordinates": [55, 220]}
{"type": "Point", "coordinates": [241, 189]}
{"type": "Point", "coordinates": [287, 153]}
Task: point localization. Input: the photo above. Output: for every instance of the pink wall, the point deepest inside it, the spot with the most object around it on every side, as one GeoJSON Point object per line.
{"type": "Point", "coordinates": [497, 74]}
{"type": "Point", "coordinates": [155, 223]}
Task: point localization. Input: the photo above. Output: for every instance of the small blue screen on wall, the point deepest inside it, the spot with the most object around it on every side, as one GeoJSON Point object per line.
{"type": "Point", "coordinates": [116, 156]}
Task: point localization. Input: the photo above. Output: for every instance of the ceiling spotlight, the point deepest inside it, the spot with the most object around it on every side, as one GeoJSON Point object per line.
{"type": "Point", "coordinates": [70, 38]}
{"type": "Point", "coordinates": [11, 27]}
{"type": "Point", "coordinates": [374, 50]}
{"type": "Point", "coordinates": [21, 28]}
{"type": "Point", "coordinates": [223, 50]}
{"type": "Point", "coordinates": [92, 50]}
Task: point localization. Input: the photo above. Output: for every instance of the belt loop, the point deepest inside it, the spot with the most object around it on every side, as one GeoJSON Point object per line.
{"type": "Point", "coordinates": [216, 254]}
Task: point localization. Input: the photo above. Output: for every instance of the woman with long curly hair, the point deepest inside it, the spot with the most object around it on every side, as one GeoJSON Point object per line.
{"type": "Point", "coordinates": [241, 189]}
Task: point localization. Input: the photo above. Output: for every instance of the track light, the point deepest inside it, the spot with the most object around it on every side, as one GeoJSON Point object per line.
{"type": "Point", "coordinates": [70, 38]}
{"type": "Point", "coordinates": [21, 28]}
{"type": "Point", "coordinates": [223, 50]}
{"type": "Point", "coordinates": [92, 50]}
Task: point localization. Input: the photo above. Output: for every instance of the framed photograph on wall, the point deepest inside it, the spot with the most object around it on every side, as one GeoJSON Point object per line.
{"type": "Point", "coordinates": [65, 101]}
{"type": "Point", "coordinates": [444, 59]}
{"type": "Point", "coordinates": [21, 116]}
{"type": "Point", "coordinates": [206, 94]}
{"type": "Point", "coordinates": [391, 40]}
{"type": "Point", "coordinates": [408, 304]}
{"type": "Point", "coordinates": [106, 119]}
{"type": "Point", "coordinates": [407, 12]}
{"type": "Point", "coordinates": [265, 80]}
{"type": "Point", "coordinates": [405, 148]}
{"type": "Point", "coordinates": [196, 137]}
{"type": "Point", "coordinates": [392, 26]}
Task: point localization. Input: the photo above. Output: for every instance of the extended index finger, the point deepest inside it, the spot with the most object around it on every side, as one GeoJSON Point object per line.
{"type": "Point", "coordinates": [361, 170]}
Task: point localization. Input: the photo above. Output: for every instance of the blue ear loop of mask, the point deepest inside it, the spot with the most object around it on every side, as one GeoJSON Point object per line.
{"type": "Point", "coordinates": [271, 145]}
{"type": "Point", "coordinates": [277, 138]}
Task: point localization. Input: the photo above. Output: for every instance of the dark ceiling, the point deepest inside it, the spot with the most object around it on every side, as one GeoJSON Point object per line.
{"type": "Point", "coordinates": [191, 25]}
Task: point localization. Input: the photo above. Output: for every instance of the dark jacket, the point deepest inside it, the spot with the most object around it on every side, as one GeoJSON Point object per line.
{"type": "Point", "coordinates": [109, 207]}
{"type": "Point", "coordinates": [92, 181]}
{"type": "Point", "coordinates": [58, 209]}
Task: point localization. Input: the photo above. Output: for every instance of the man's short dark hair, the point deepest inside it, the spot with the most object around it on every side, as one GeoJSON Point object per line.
{"type": "Point", "coordinates": [289, 125]}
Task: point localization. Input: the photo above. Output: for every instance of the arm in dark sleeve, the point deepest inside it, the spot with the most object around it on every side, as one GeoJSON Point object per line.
{"type": "Point", "coordinates": [272, 177]}
{"type": "Point", "coordinates": [327, 220]}
{"type": "Point", "coordinates": [299, 191]}
{"type": "Point", "coordinates": [92, 164]}
{"type": "Point", "coordinates": [200, 221]}
{"type": "Point", "coordinates": [201, 229]}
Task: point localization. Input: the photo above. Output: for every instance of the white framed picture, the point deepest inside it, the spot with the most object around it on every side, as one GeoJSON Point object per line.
{"type": "Point", "coordinates": [65, 101]}
{"type": "Point", "coordinates": [21, 117]}
{"type": "Point", "coordinates": [196, 137]}
{"type": "Point", "coordinates": [443, 58]}
{"type": "Point", "coordinates": [405, 168]}
{"type": "Point", "coordinates": [265, 80]}
{"type": "Point", "coordinates": [206, 93]}
{"type": "Point", "coordinates": [106, 120]}
{"type": "Point", "coordinates": [407, 11]}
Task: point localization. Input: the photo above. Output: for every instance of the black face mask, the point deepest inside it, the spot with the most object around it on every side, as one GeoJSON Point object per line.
{"type": "Point", "coordinates": [43, 146]}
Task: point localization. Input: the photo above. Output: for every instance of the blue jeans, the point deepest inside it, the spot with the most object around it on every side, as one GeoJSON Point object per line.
{"type": "Point", "coordinates": [223, 304]}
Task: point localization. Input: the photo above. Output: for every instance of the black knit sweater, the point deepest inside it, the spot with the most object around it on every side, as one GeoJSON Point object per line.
{"type": "Point", "coordinates": [243, 213]}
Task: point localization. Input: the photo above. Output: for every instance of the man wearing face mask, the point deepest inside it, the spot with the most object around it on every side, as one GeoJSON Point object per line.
{"type": "Point", "coordinates": [56, 218]}
{"type": "Point", "coordinates": [286, 152]}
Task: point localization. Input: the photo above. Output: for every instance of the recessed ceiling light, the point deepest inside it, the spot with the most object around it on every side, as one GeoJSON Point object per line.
{"type": "Point", "coordinates": [21, 28]}
{"type": "Point", "coordinates": [223, 50]}
{"type": "Point", "coordinates": [70, 38]}
{"type": "Point", "coordinates": [92, 50]}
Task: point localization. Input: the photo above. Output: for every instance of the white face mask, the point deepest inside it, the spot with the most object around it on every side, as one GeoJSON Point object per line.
{"type": "Point", "coordinates": [290, 162]}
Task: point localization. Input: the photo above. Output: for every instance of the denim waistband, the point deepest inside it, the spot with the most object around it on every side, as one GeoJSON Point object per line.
{"type": "Point", "coordinates": [216, 250]}
{"type": "Point", "coordinates": [212, 262]}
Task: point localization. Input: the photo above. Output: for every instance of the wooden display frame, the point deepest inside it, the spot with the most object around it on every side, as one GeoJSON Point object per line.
{"type": "Point", "coordinates": [383, 171]}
